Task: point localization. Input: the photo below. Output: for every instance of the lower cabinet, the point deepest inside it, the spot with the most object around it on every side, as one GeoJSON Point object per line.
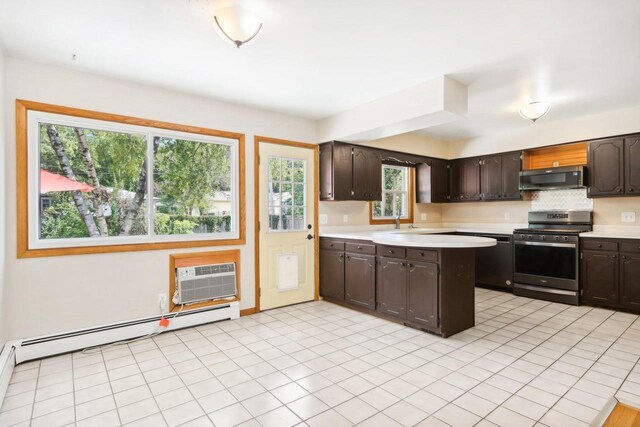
{"type": "Point", "coordinates": [391, 287]}
{"type": "Point", "coordinates": [431, 289]}
{"type": "Point", "coordinates": [332, 274]}
{"type": "Point", "coordinates": [422, 294]}
{"type": "Point", "coordinates": [611, 273]}
{"type": "Point", "coordinates": [360, 280]}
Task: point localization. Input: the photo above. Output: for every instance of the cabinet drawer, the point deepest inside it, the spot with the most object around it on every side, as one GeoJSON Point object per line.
{"type": "Point", "coordinates": [632, 246]}
{"type": "Point", "coordinates": [362, 248]}
{"type": "Point", "coordinates": [391, 251]}
{"type": "Point", "coordinates": [599, 245]}
{"type": "Point", "coordinates": [422, 255]}
{"type": "Point", "coordinates": [331, 244]}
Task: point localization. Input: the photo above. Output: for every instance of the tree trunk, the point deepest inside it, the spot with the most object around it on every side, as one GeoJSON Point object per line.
{"type": "Point", "coordinates": [97, 198]}
{"type": "Point", "coordinates": [138, 199]}
{"type": "Point", "coordinates": [65, 165]}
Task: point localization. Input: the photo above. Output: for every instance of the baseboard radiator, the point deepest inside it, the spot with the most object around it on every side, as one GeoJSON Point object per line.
{"type": "Point", "coordinates": [7, 363]}
{"type": "Point", "coordinates": [50, 345]}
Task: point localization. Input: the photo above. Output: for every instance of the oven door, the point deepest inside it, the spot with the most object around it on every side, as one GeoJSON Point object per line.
{"type": "Point", "coordinates": [553, 265]}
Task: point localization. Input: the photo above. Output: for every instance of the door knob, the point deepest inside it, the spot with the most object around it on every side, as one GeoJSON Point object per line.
{"type": "Point", "coordinates": [309, 226]}
{"type": "Point", "coordinates": [310, 236]}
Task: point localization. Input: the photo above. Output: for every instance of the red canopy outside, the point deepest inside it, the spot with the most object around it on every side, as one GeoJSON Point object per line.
{"type": "Point", "coordinates": [50, 182]}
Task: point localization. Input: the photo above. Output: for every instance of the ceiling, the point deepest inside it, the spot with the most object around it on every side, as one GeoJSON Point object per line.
{"type": "Point", "coordinates": [316, 58]}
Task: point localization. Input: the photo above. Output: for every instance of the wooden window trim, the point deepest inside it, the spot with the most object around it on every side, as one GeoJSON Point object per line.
{"type": "Point", "coordinates": [410, 204]}
{"type": "Point", "coordinates": [22, 163]}
{"type": "Point", "coordinates": [202, 258]}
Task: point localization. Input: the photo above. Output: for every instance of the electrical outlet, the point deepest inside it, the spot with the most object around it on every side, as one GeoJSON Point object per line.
{"type": "Point", "coordinates": [162, 301]}
{"type": "Point", "coordinates": [345, 218]}
{"type": "Point", "coordinates": [507, 216]}
{"type": "Point", "coordinates": [628, 217]}
{"type": "Point", "coordinates": [324, 219]}
{"type": "Point", "coordinates": [423, 217]}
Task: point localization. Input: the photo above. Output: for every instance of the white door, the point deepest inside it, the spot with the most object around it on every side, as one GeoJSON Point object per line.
{"type": "Point", "coordinates": [287, 229]}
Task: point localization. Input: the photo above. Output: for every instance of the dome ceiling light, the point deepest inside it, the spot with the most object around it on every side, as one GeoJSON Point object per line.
{"type": "Point", "coordinates": [237, 25]}
{"type": "Point", "coordinates": [534, 110]}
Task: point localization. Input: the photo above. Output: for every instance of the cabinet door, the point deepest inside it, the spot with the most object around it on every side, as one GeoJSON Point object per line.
{"type": "Point", "coordinates": [491, 177]}
{"type": "Point", "coordinates": [456, 181]}
{"type": "Point", "coordinates": [374, 175]}
{"type": "Point", "coordinates": [360, 280]}
{"type": "Point", "coordinates": [630, 280]}
{"type": "Point", "coordinates": [471, 183]}
{"type": "Point", "coordinates": [422, 294]}
{"type": "Point", "coordinates": [391, 287]}
{"type": "Point", "coordinates": [600, 277]}
{"type": "Point", "coordinates": [325, 161]}
{"type": "Point", "coordinates": [511, 166]}
{"type": "Point", "coordinates": [342, 171]}
{"type": "Point", "coordinates": [632, 165]}
{"type": "Point", "coordinates": [606, 167]}
{"type": "Point", "coordinates": [439, 181]}
{"type": "Point", "coordinates": [332, 274]}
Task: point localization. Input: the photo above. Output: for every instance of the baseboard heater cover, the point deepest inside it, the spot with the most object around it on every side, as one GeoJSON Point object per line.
{"type": "Point", "coordinates": [50, 345]}
{"type": "Point", "coordinates": [7, 363]}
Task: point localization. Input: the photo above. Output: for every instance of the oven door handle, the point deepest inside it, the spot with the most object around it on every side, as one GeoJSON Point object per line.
{"type": "Point", "coordinates": [552, 245]}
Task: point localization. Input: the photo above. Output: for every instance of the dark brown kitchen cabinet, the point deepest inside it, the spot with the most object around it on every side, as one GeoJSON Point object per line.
{"type": "Point", "coordinates": [332, 274]}
{"type": "Point", "coordinates": [491, 177]}
{"type": "Point", "coordinates": [611, 273]}
{"type": "Point", "coordinates": [432, 179]}
{"type": "Point", "coordinates": [630, 280]}
{"type": "Point", "coordinates": [391, 287]}
{"type": "Point", "coordinates": [600, 277]}
{"type": "Point", "coordinates": [511, 167]}
{"type": "Point", "coordinates": [632, 165]}
{"type": "Point", "coordinates": [367, 174]}
{"type": "Point", "coordinates": [465, 180]}
{"type": "Point", "coordinates": [606, 167]}
{"type": "Point", "coordinates": [422, 294]}
{"type": "Point", "coordinates": [360, 280]}
{"type": "Point", "coordinates": [349, 172]}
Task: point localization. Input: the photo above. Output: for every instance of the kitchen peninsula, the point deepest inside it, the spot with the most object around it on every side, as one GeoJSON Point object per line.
{"type": "Point", "coordinates": [421, 278]}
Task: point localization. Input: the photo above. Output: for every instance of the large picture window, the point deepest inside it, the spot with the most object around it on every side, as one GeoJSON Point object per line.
{"type": "Point", "coordinates": [395, 194]}
{"type": "Point", "coordinates": [100, 183]}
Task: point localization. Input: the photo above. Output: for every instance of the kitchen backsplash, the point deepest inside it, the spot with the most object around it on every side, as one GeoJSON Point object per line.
{"type": "Point", "coordinates": [547, 200]}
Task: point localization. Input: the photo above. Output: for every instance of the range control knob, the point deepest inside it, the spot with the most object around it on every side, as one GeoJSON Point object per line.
{"type": "Point", "coordinates": [522, 236]}
{"type": "Point", "coordinates": [556, 238]}
{"type": "Point", "coordinates": [542, 237]}
{"type": "Point", "coordinates": [529, 237]}
{"type": "Point", "coordinates": [565, 238]}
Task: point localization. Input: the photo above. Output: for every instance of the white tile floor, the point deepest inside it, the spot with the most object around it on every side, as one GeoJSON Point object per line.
{"type": "Point", "coordinates": [525, 362]}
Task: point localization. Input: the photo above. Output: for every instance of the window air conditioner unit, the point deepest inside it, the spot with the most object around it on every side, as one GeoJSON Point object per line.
{"type": "Point", "coordinates": [205, 282]}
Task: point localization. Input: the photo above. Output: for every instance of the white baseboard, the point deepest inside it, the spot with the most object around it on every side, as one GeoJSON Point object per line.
{"type": "Point", "coordinates": [7, 363]}
{"type": "Point", "coordinates": [37, 348]}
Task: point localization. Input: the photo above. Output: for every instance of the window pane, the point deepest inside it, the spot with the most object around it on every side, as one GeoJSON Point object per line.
{"type": "Point", "coordinates": [388, 204]}
{"type": "Point", "coordinates": [92, 182]}
{"type": "Point", "coordinates": [393, 178]}
{"type": "Point", "coordinates": [298, 219]}
{"type": "Point", "coordinates": [287, 196]}
{"type": "Point", "coordinates": [377, 209]}
{"type": "Point", "coordinates": [298, 174]}
{"type": "Point", "coordinates": [274, 218]}
{"type": "Point", "coordinates": [287, 171]}
{"type": "Point", "coordinates": [298, 194]}
{"type": "Point", "coordinates": [274, 170]}
{"type": "Point", "coordinates": [192, 187]}
{"type": "Point", "coordinates": [287, 218]}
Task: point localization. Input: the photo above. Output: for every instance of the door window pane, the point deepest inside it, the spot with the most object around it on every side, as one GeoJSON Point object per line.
{"type": "Point", "coordinates": [286, 196]}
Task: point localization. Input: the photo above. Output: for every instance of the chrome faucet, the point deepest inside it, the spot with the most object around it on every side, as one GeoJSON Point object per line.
{"type": "Point", "coordinates": [398, 221]}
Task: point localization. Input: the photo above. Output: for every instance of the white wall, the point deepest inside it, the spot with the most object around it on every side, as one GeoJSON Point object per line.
{"type": "Point", "coordinates": [3, 194]}
{"type": "Point", "coordinates": [56, 294]}
{"type": "Point", "coordinates": [541, 133]}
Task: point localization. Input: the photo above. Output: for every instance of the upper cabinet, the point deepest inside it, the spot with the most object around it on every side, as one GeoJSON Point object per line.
{"type": "Point", "coordinates": [511, 167]}
{"type": "Point", "coordinates": [614, 167]}
{"type": "Point", "coordinates": [495, 177]}
{"type": "Point", "coordinates": [349, 172]}
{"type": "Point", "coordinates": [465, 180]}
{"type": "Point", "coordinates": [432, 181]}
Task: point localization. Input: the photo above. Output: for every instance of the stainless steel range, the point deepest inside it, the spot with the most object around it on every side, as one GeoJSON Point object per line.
{"type": "Point", "coordinates": [547, 255]}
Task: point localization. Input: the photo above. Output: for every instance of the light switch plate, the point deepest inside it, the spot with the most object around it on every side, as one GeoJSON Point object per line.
{"type": "Point", "coordinates": [324, 219]}
{"type": "Point", "coordinates": [423, 217]}
{"type": "Point", "coordinates": [345, 218]}
{"type": "Point", "coordinates": [628, 217]}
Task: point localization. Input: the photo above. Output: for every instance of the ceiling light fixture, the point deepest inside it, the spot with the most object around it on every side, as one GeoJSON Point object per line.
{"type": "Point", "coordinates": [534, 110]}
{"type": "Point", "coordinates": [236, 25]}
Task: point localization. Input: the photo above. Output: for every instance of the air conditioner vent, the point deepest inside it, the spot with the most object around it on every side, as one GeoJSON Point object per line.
{"type": "Point", "coordinates": [205, 282]}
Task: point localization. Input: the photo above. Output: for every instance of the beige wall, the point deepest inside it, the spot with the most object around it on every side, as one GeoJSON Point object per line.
{"type": "Point", "coordinates": [486, 212]}
{"type": "Point", "coordinates": [607, 211]}
{"type": "Point", "coordinates": [64, 293]}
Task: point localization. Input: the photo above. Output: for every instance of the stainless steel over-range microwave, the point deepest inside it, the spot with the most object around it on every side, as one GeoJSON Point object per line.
{"type": "Point", "coordinates": [553, 178]}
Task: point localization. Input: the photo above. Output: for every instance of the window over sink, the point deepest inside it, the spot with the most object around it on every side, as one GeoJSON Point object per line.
{"type": "Point", "coordinates": [396, 196]}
